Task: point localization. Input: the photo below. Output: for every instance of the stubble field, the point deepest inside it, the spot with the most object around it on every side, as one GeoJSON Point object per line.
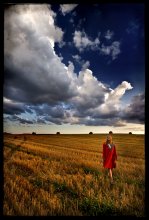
{"type": "Point", "coordinates": [59, 175]}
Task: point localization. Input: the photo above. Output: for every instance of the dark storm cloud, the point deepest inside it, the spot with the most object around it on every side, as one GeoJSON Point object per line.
{"type": "Point", "coordinates": [95, 114]}
{"type": "Point", "coordinates": [135, 112]}
{"type": "Point", "coordinates": [57, 121]}
{"type": "Point", "coordinates": [18, 119]}
{"type": "Point", "coordinates": [12, 108]}
{"type": "Point", "coordinates": [57, 111]}
{"type": "Point", "coordinates": [46, 114]}
{"type": "Point", "coordinates": [113, 122]}
{"type": "Point", "coordinates": [41, 121]}
{"type": "Point", "coordinates": [24, 121]}
{"type": "Point", "coordinates": [49, 120]}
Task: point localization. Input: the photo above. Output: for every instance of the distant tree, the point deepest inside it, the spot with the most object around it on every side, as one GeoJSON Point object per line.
{"type": "Point", "coordinates": [130, 132]}
{"type": "Point", "coordinates": [15, 137]}
{"type": "Point", "coordinates": [91, 132]}
{"type": "Point", "coordinates": [25, 138]}
{"type": "Point", "coordinates": [33, 133]}
{"type": "Point", "coordinates": [58, 132]}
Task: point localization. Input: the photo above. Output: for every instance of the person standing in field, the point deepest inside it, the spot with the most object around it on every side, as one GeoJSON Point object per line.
{"type": "Point", "coordinates": [109, 155]}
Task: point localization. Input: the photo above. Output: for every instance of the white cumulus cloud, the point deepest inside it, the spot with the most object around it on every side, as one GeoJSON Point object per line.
{"type": "Point", "coordinates": [82, 41]}
{"type": "Point", "coordinates": [112, 50]}
{"type": "Point", "coordinates": [113, 98]}
{"type": "Point", "coordinates": [66, 8]}
{"type": "Point", "coordinates": [109, 34]}
{"type": "Point", "coordinates": [84, 64]}
{"type": "Point", "coordinates": [29, 38]}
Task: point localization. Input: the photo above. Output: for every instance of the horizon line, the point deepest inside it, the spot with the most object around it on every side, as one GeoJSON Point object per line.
{"type": "Point", "coordinates": [35, 133]}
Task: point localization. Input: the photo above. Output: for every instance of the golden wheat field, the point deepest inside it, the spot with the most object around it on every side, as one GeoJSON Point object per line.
{"type": "Point", "coordinates": [62, 175]}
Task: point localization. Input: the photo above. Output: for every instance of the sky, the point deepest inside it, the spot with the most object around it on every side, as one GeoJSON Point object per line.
{"type": "Point", "coordinates": [74, 68]}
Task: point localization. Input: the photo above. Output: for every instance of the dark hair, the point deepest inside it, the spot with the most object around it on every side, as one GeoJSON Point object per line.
{"type": "Point", "coordinates": [110, 132]}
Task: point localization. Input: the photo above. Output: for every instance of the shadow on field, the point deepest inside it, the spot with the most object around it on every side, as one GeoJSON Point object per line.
{"type": "Point", "coordinates": [87, 206]}
{"type": "Point", "coordinates": [13, 148]}
{"type": "Point", "coordinates": [91, 207]}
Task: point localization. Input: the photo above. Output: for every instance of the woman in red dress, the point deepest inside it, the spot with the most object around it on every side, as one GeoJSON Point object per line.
{"type": "Point", "coordinates": [109, 156]}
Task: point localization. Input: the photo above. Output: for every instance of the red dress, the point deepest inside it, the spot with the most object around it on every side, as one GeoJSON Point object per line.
{"type": "Point", "coordinates": [109, 156]}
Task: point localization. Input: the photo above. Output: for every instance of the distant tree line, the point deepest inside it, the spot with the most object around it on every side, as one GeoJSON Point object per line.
{"type": "Point", "coordinates": [33, 133]}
